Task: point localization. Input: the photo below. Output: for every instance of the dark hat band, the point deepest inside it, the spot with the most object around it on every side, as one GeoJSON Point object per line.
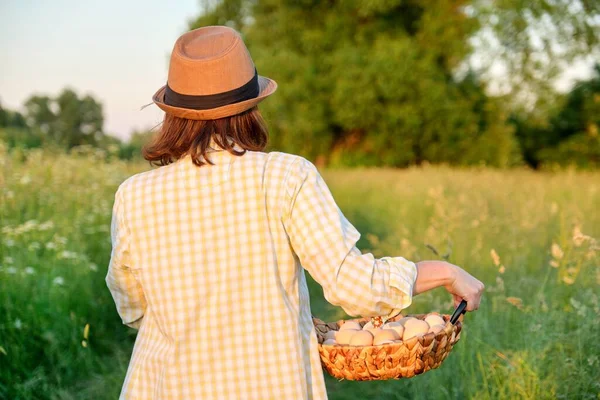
{"type": "Point", "coordinates": [248, 91]}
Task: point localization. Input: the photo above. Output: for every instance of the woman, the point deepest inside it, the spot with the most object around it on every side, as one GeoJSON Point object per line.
{"type": "Point", "coordinates": [209, 250]}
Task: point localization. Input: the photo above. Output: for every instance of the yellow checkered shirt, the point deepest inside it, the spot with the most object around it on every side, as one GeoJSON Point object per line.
{"type": "Point", "coordinates": [208, 263]}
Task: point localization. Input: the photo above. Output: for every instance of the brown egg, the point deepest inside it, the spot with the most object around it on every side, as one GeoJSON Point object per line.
{"type": "Point", "coordinates": [413, 321]}
{"type": "Point", "coordinates": [396, 326]}
{"type": "Point", "coordinates": [343, 337]}
{"type": "Point", "coordinates": [353, 325]}
{"type": "Point", "coordinates": [434, 319]}
{"type": "Point", "coordinates": [385, 335]}
{"type": "Point", "coordinates": [329, 342]}
{"type": "Point", "coordinates": [368, 326]}
{"type": "Point", "coordinates": [330, 335]}
{"type": "Point", "coordinates": [361, 338]}
{"type": "Point", "coordinates": [437, 329]}
{"type": "Point", "coordinates": [371, 328]}
{"type": "Point", "coordinates": [404, 320]}
{"type": "Point", "coordinates": [415, 328]}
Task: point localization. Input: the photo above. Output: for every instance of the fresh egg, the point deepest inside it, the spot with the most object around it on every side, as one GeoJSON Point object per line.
{"type": "Point", "coordinates": [343, 337]}
{"type": "Point", "coordinates": [329, 342]}
{"type": "Point", "coordinates": [396, 326]}
{"type": "Point", "coordinates": [434, 319]}
{"type": "Point", "coordinates": [412, 322]}
{"type": "Point", "coordinates": [361, 338]}
{"type": "Point", "coordinates": [384, 336]}
{"type": "Point", "coordinates": [415, 328]}
{"type": "Point", "coordinates": [374, 331]}
{"type": "Point", "coordinates": [330, 335]}
{"type": "Point", "coordinates": [352, 325]}
{"type": "Point", "coordinates": [404, 320]}
{"type": "Point", "coordinates": [437, 328]}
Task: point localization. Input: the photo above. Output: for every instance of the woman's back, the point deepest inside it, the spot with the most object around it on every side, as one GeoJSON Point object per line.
{"type": "Point", "coordinates": [226, 303]}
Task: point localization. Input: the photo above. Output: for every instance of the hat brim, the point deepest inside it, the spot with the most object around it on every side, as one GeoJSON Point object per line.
{"type": "Point", "coordinates": [266, 88]}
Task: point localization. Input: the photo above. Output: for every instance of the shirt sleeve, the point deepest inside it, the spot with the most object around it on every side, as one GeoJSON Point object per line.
{"type": "Point", "coordinates": [325, 243]}
{"type": "Point", "coordinates": [120, 279]}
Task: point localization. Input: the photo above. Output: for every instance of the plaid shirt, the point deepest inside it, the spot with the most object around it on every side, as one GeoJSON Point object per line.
{"type": "Point", "coordinates": [208, 263]}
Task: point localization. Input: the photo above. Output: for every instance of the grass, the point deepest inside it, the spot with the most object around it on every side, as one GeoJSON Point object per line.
{"type": "Point", "coordinates": [535, 336]}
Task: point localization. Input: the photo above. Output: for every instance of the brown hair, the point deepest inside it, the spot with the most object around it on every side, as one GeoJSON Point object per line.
{"type": "Point", "coordinates": [180, 136]}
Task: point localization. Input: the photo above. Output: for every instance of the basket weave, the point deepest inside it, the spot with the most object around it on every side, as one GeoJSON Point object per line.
{"type": "Point", "coordinates": [387, 361]}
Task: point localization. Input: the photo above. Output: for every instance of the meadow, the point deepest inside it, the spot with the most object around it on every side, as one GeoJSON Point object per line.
{"type": "Point", "coordinates": [531, 237]}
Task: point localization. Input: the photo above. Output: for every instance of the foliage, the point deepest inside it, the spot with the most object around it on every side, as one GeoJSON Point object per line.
{"type": "Point", "coordinates": [531, 242]}
{"type": "Point", "coordinates": [371, 83]}
{"type": "Point", "coordinates": [67, 119]}
{"type": "Point", "coordinates": [533, 41]}
{"type": "Point", "coordinates": [571, 135]}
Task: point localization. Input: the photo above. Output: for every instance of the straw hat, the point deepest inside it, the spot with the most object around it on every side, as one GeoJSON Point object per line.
{"type": "Point", "coordinates": [211, 76]}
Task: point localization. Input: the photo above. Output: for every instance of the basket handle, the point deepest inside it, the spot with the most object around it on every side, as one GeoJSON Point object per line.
{"type": "Point", "coordinates": [461, 309]}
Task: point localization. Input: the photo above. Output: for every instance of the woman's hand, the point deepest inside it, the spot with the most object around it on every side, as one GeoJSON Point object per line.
{"type": "Point", "coordinates": [462, 286]}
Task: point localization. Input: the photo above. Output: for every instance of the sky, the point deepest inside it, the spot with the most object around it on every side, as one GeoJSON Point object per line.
{"type": "Point", "coordinates": [117, 51]}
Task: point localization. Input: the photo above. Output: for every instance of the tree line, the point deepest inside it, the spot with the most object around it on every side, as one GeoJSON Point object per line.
{"type": "Point", "coordinates": [391, 83]}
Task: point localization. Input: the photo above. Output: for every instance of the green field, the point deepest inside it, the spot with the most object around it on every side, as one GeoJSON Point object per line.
{"type": "Point", "coordinates": [528, 236]}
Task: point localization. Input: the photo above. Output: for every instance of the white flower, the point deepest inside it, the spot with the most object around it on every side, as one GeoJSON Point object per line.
{"type": "Point", "coordinates": [25, 180]}
{"type": "Point", "coordinates": [29, 271]}
{"type": "Point", "coordinates": [18, 323]}
{"type": "Point", "coordinates": [67, 254]}
{"type": "Point", "coordinates": [9, 242]}
{"type": "Point", "coordinates": [33, 246]}
{"type": "Point", "coordinates": [8, 260]}
{"type": "Point", "coordinates": [59, 280]}
{"type": "Point", "coordinates": [93, 267]}
{"type": "Point", "coordinates": [11, 270]}
{"type": "Point", "coordinates": [50, 245]}
{"type": "Point", "coordinates": [46, 225]}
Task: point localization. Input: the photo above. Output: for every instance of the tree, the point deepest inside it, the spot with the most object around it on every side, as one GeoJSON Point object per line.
{"type": "Point", "coordinates": [573, 137]}
{"type": "Point", "coordinates": [372, 82]}
{"type": "Point", "coordinates": [67, 119]}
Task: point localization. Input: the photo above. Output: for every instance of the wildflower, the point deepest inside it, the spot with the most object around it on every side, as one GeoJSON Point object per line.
{"type": "Point", "coordinates": [557, 252]}
{"type": "Point", "coordinates": [25, 180]}
{"type": "Point", "coordinates": [11, 270]}
{"type": "Point", "coordinates": [93, 267]}
{"type": "Point", "coordinates": [9, 242]}
{"type": "Point", "coordinates": [59, 280]}
{"type": "Point", "coordinates": [46, 225]}
{"type": "Point", "coordinates": [8, 260]}
{"type": "Point", "coordinates": [554, 263]}
{"type": "Point", "coordinates": [29, 271]}
{"type": "Point", "coordinates": [68, 254]}
{"type": "Point", "coordinates": [33, 246]}
{"type": "Point", "coordinates": [578, 237]}
{"type": "Point", "coordinates": [515, 301]}
{"type": "Point", "coordinates": [18, 323]}
{"type": "Point", "coordinates": [568, 280]}
{"type": "Point", "coordinates": [495, 257]}
{"type": "Point", "coordinates": [502, 269]}
{"type": "Point", "coordinates": [50, 245]}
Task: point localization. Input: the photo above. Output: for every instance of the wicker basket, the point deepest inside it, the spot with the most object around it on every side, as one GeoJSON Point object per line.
{"type": "Point", "coordinates": [404, 359]}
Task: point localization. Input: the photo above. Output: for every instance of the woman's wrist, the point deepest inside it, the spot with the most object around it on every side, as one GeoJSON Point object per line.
{"type": "Point", "coordinates": [432, 274]}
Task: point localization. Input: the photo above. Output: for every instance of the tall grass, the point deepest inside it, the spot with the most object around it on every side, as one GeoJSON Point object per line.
{"type": "Point", "coordinates": [528, 236]}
